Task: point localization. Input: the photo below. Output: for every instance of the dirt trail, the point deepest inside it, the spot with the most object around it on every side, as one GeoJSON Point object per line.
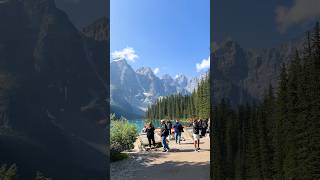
{"type": "Point", "coordinates": [182, 162]}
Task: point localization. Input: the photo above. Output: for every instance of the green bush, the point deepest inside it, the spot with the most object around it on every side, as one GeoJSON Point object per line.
{"type": "Point", "coordinates": [40, 176]}
{"type": "Point", "coordinates": [8, 172]}
{"type": "Point", "coordinates": [123, 135]}
{"type": "Point", "coordinates": [118, 156]}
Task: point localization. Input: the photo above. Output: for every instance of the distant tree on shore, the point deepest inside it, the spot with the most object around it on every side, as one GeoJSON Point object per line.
{"type": "Point", "coordinates": [196, 105]}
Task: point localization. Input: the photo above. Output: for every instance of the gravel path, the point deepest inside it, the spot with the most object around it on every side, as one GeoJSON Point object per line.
{"type": "Point", "coordinates": [181, 162]}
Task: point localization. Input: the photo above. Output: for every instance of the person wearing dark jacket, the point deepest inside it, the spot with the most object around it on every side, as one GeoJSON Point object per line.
{"type": "Point", "coordinates": [196, 134]}
{"type": "Point", "coordinates": [150, 134]}
{"type": "Point", "coordinates": [204, 128]}
{"type": "Point", "coordinates": [164, 135]}
{"type": "Point", "coordinates": [169, 125]}
{"type": "Point", "coordinates": [178, 129]}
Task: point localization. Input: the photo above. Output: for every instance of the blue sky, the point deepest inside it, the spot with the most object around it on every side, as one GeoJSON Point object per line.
{"type": "Point", "coordinates": [171, 35]}
{"type": "Point", "coordinates": [268, 23]}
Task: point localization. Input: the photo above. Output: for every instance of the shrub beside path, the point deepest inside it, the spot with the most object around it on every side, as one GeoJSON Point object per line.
{"type": "Point", "coordinates": [182, 162]}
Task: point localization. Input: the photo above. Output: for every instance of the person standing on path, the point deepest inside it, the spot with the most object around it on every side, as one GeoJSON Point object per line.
{"type": "Point", "coordinates": [164, 135]}
{"type": "Point", "coordinates": [196, 134]}
{"type": "Point", "coordinates": [178, 129]}
{"type": "Point", "coordinates": [150, 134]}
{"type": "Point", "coordinates": [169, 124]}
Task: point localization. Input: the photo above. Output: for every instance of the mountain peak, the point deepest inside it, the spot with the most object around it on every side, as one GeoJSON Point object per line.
{"type": "Point", "coordinates": [166, 76]}
{"type": "Point", "coordinates": [181, 79]}
{"type": "Point", "coordinates": [180, 76]}
{"type": "Point", "coordinates": [120, 62]}
{"type": "Point", "coordinates": [144, 70]}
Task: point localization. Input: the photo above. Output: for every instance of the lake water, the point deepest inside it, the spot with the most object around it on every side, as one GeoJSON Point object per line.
{"type": "Point", "coordinates": [141, 122]}
{"type": "Point", "coordinates": [156, 123]}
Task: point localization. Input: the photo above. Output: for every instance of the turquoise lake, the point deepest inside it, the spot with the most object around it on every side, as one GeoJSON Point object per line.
{"type": "Point", "coordinates": [141, 122]}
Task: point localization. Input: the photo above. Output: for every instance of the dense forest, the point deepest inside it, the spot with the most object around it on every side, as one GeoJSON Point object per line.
{"type": "Point", "coordinates": [196, 105]}
{"type": "Point", "coordinates": [278, 138]}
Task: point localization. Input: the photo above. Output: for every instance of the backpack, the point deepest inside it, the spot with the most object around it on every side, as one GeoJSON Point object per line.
{"type": "Point", "coordinates": [181, 128]}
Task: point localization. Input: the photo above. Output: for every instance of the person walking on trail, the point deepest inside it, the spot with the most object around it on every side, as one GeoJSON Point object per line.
{"type": "Point", "coordinates": [204, 128]}
{"type": "Point", "coordinates": [150, 134]}
{"type": "Point", "coordinates": [178, 129]}
{"type": "Point", "coordinates": [164, 135]}
{"type": "Point", "coordinates": [196, 134]}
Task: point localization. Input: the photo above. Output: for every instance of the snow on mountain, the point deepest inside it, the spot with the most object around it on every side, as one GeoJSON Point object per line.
{"type": "Point", "coordinates": [181, 80]}
{"type": "Point", "coordinates": [133, 91]}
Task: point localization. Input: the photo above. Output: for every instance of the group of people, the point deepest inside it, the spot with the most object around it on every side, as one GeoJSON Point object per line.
{"type": "Point", "coordinates": [165, 129]}
{"type": "Point", "coordinates": [199, 126]}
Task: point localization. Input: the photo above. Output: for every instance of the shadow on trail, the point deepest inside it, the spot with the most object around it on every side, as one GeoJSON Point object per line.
{"type": "Point", "coordinates": [191, 142]}
{"type": "Point", "coordinates": [148, 166]}
{"type": "Point", "coordinates": [186, 150]}
{"type": "Point", "coordinates": [174, 170]}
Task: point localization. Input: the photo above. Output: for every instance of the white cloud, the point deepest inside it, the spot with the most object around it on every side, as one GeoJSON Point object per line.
{"type": "Point", "coordinates": [205, 64]}
{"type": "Point", "coordinates": [156, 70]}
{"type": "Point", "coordinates": [127, 53]}
{"type": "Point", "coordinates": [301, 11]}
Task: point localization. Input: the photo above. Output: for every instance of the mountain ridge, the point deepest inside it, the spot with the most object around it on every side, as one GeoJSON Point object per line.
{"type": "Point", "coordinates": [243, 75]}
{"type": "Point", "coordinates": [135, 90]}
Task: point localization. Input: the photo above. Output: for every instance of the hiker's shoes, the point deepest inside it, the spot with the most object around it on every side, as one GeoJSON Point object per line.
{"type": "Point", "coordinates": [165, 150]}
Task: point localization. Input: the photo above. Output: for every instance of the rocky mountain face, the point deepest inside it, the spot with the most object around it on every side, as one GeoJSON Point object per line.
{"type": "Point", "coordinates": [132, 91]}
{"type": "Point", "coordinates": [52, 92]}
{"type": "Point", "coordinates": [243, 75]}
{"type": "Point", "coordinates": [98, 30]}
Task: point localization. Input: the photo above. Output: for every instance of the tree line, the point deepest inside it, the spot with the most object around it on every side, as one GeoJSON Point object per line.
{"type": "Point", "coordinates": [278, 138]}
{"type": "Point", "coordinates": [195, 105]}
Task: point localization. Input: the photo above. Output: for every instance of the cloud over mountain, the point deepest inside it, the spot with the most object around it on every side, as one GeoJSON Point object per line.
{"type": "Point", "coordinates": [127, 53]}
{"type": "Point", "coordinates": [156, 70]}
{"type": "Point", "coordinates": [205, 64]}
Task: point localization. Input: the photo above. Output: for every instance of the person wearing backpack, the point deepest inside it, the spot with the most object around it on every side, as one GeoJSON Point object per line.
{"type": "Point", "coordinates": [178, 129]}
{"type": "Point", "coordinates": [164, 135]}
